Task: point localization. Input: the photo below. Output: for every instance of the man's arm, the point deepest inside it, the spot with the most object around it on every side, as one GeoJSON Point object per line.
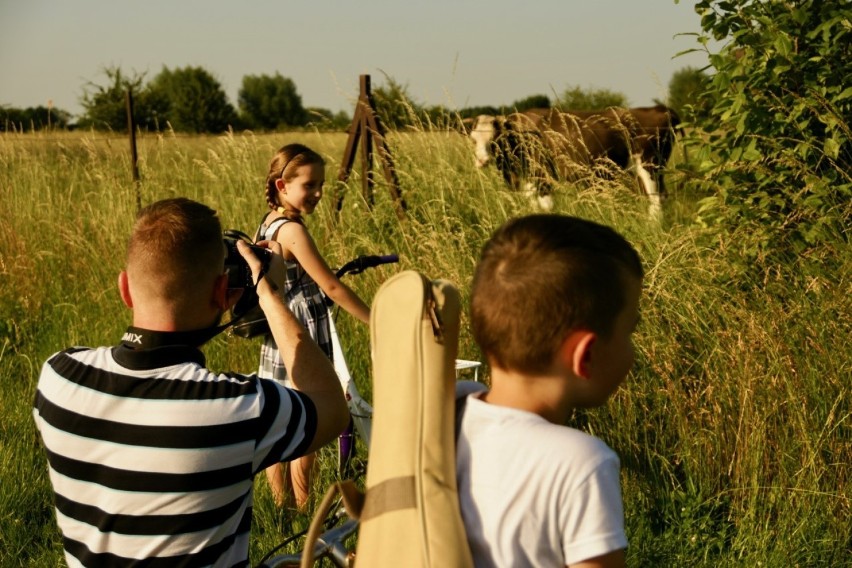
{"type": "Point", "coordinates": [307, 366]}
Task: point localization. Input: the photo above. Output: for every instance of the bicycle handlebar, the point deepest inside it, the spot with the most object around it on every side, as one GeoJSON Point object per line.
{"type": "Point", "coordinates": [358, 265]}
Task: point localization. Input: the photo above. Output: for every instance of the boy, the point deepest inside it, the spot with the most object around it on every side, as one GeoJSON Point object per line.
{"type": "Point", "coordinates": [555, 301]}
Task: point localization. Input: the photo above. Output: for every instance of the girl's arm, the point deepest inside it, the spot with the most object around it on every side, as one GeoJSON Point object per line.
{"type": "Point", "coordinates": [298, 245]}
{"type": "Point", "coordinates": [308, 367]}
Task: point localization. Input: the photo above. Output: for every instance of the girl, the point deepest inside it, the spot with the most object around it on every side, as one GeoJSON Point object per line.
{"type": "Point", "coordinates": [293, 189]}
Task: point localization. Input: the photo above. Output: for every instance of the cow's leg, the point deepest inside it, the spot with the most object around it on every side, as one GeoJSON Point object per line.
{"type": "Point", "coordinates": [661, 186]}
{"type": "Point", "coordinates": [646, 180]}
{"type": "Point", "coordinates": [540, 194]}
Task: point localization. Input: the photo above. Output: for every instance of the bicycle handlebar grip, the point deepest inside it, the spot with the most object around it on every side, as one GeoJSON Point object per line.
{"type": "Point", "coordinates": [361, 263]}
{"type": "Point", "coordinates": [387, 259]}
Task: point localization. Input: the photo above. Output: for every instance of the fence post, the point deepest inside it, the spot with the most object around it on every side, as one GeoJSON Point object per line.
{"type": "Point", "coordinates": [366, 127]}
{"type": "Point", "coordinates": [134, 159]}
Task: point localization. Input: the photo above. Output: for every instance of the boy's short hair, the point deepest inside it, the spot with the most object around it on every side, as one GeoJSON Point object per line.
{"type": "Point", "coordinates": [540, 277]}
{"type": "Point", "coordinates": [175, 246]}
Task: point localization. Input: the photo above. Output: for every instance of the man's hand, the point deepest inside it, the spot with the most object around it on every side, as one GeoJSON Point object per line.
{"type": "Point", "coordinates": [274, 277]}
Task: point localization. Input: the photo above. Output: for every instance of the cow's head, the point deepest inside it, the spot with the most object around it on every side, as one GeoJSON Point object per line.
{"type": "Point", "coordinates": [483, 132]}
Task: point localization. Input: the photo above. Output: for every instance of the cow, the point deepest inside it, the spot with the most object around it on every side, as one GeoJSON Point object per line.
{"type": "Point", "coordinates": [539, 144]}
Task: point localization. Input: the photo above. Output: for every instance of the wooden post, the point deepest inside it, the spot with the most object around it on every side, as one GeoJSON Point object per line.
{"type": "Point", "coordinates": [367, 179]}
{"type": "Point", "coordinates": [366, 127]}
{"type": "Point", "coordinates": [134, 159]}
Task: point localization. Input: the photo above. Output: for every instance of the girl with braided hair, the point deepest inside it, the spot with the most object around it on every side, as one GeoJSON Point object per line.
{"type": "Point", "coordinates": [294, 187]}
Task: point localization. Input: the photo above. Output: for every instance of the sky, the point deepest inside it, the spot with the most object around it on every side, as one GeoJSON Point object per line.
{"type": "Point", "coordinates": [456, 53]}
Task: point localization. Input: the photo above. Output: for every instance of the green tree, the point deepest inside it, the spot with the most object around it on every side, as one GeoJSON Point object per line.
{"type": "Point", "coordinates": [437, 115]}
{"type": "Point", "coordinates": [325, 119]}
{"type": "Point", "coordinates": [577, 98]}
{"type": "Point", "coordinates": [105, 106]}
{"type": "Point", "coordinates": [196, 101]}
{"type": "Point", "coordinates": [33, 118]}
{"type": "Point", "coordinates": [269, 102]}
{"type": "Point", "coordinates": [688, 94]}
{"type": "Point", "coordinates": [394, 105]}
{"type": "Point", "coordinates": [777, 149]}
{"type": "Point", "coordinates": [532, 101]}
{"type": "Point", "coordinates": [473, 112]}
{"type": "Point", "coordinates": [520, 105]}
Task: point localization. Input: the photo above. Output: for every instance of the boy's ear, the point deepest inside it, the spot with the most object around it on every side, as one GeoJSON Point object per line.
{"type": "Point", "coordinates": [576, 352]}
{"type": "Point", "coordinates": [124, 289]}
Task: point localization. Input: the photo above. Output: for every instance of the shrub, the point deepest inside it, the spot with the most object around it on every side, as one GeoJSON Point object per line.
{"type": "Point", "coordinates": [777, 152]}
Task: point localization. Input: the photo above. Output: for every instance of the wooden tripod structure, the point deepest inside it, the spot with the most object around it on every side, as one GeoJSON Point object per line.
{"type": "Point", "coordinates": [366, 127]}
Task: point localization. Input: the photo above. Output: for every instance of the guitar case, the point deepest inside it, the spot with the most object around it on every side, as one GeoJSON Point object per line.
{"type": "Point", "coordinates": [411, 513]}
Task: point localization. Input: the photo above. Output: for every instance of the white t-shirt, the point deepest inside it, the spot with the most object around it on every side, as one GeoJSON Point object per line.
{"type": "Point", "coordinates": [533, 493]}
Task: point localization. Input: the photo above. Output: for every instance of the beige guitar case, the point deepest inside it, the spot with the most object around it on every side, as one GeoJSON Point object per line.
{"type": "Point", "coordinates": [411, 514]}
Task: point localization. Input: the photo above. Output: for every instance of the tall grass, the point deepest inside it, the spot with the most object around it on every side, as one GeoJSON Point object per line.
{"type": "Point", "coordinates": [734, 428]}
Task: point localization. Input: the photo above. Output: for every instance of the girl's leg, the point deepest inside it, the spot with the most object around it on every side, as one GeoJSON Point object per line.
{"type": "Point", "coordinates": [279, 483]}
{"type": "Point", "coordinates": [301, 474]}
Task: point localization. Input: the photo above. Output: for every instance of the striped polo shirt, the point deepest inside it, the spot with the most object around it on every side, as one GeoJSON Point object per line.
{"type": "Point", "coordinates": [152, 456]}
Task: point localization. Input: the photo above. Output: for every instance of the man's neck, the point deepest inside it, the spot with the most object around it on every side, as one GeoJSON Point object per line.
{"type": "Point", "coordinates": [170, 322]}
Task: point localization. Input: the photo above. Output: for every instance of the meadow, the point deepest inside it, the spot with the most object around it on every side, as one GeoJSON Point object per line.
{"type": "Point", "coordinates": [734, 427]}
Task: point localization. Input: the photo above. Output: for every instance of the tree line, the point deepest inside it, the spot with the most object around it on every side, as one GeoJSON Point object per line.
{"type": "Point", "coordinates": [188, 99]}
{"type": "Point", "coordinates": [192, 100]}
{"type": "Point", "coordinates": [772, 123]}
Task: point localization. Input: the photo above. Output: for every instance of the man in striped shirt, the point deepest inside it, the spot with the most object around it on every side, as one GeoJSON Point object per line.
{"type": "Point", "coordinates": [151, 454]}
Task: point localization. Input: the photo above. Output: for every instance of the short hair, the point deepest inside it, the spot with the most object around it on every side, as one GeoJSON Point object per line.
{"type": "Point", "coordinates": [542, 276]}
{"type": "Point", "coordinates": [284, 165]}
{"type": "Point", "coordinates": [176, 246]}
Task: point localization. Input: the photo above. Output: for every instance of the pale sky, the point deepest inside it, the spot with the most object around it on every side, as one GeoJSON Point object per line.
{"type": "Point", "coordinates": [457, 53]}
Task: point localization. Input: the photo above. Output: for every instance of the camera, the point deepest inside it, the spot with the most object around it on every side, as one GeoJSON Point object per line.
{"type": "Point", "coordinates": [239, 273]}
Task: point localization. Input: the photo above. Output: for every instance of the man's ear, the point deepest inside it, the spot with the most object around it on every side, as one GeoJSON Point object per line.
{"type": "Point", "coordinates": [234, 295]}
{"type": "Point", "coordinates": [576, 352]}
{"type": "Point", "coordinates": [124, 289]}
{"type": "Point", "coordinates": [221, 298]}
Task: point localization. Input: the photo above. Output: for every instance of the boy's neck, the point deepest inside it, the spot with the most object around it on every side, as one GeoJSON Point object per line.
{"type": "Point", "coordinates": [546, 395]}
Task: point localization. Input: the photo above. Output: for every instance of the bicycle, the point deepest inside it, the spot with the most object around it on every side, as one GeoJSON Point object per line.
{"type": "Point", "coordinates": [331, 543]}
{"type": "Point", "coordinates": [332, 525]}
{"type": "Point", "coordinates": [359, 409]}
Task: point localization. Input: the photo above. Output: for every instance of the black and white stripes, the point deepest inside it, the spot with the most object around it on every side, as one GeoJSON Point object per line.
{"type": "Point", "coordinates": [156, 462]}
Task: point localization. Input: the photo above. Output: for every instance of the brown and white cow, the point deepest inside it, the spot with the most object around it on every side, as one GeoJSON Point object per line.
{"type": "Point", "coordinates": [540, 144]}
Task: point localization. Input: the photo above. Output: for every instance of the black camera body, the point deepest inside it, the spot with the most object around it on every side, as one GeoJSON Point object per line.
{"type": "Point", "coordinates": [239, 273]}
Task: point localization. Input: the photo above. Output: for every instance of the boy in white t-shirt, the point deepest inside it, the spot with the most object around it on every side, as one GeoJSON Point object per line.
{"type": "Point", "coordinates": [555, 301]}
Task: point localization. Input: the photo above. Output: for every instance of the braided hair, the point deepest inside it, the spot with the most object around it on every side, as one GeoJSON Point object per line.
{"type": "Point", "coordinates": [284, 165]}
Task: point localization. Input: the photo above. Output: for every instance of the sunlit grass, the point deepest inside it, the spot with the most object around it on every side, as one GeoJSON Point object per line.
{"type": "Point", "coordinates": [733, 429]}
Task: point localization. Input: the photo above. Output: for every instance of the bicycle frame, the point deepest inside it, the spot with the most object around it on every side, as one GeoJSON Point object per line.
{"type": "Point", "coordinates": [328, 545]}
{"type": "Point", "coordinates": [359, 409]}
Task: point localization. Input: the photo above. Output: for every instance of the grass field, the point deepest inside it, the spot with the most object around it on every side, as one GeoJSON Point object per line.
{"type": "Point", "coordinates": [734, 427]}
